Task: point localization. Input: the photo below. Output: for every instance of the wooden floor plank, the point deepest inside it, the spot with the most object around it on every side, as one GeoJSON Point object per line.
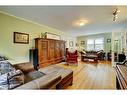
{"type": "Point", "coordinates": [92, 75]}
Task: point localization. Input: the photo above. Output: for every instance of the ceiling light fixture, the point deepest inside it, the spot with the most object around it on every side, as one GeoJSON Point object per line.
{"type": "Point", "coordinates": [115, 14]}
{"type": "Point", "coordinates": [81, 22]}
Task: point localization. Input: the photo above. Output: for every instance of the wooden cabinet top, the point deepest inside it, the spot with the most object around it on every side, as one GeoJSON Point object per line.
{"type": "Point", "coordinates": [48, 39]}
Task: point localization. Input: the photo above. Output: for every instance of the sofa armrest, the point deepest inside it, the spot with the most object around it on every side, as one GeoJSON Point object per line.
{"type": "Point", "coordinates": [45, 82]}
{"type": "Point", "coordinates": [25, 67]}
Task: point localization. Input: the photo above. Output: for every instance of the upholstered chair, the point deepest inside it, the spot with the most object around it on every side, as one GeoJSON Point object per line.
{"type": "Point", "coordinates": [71, 56]}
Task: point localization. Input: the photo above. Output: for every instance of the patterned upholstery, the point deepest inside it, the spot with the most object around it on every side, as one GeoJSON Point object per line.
{"type": "Point", "coordinates": [2, 58]}
{"type": "Point", "coordinates": [9, 76]}
{"type": "Point", "coordinates": [72, 57]}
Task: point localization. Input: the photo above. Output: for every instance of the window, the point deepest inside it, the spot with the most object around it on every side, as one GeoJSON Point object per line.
{"type": "Point", "coordinates": [90, 44]}
{"type": "Point", "coordinates": [95, 44]}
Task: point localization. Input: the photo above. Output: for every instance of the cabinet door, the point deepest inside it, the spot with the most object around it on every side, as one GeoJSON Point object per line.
{"type": "Point", "coordinates": [62, 49]}
{"type": "Point", "coordinates": [43, 51]}
{"type": "Point", "coordinates": [51, 50]}
{"type": "Point", "coordinates": [57, 49]}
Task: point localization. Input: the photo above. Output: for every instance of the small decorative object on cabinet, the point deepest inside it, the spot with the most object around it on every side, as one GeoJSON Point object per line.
{"type": "Point", "coordinates": [50, 51]}
{"type": "Point", "coordinates": [43, 35]}
{"type": "Point", "coordinates": [33, 57]}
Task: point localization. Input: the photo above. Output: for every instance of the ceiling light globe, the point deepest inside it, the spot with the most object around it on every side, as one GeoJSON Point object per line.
{"type": "Point", "coordinates": [81, 24]}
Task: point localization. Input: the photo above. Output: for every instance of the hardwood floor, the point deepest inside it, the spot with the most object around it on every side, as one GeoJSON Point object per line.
{"type": "Point", "coordinates": [93, 76]}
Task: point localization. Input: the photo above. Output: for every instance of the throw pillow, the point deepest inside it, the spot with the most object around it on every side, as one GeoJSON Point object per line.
{"type": "Point", "coordinates": [9, 76]}
{"type": "Point", "coordinates": [2, 58]}
{"type": "Point", "coordinates": [11, 79]}
{"type": "Point", "coordinates": [5, 67]}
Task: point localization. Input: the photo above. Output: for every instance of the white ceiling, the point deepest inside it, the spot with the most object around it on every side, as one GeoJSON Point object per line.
{"type": "Point", "coordinates": [63, 17]}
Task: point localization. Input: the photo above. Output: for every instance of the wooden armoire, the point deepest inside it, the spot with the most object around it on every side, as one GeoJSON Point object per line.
{"type": "Point", "coordinates": [50, 51]}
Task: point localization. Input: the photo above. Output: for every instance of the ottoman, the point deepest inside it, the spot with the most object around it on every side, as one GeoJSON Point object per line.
{"type": "Point", "coordinates": [66, 75]}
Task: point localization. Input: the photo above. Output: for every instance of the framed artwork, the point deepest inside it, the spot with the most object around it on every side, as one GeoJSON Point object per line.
{"type": "Point", "coordinates": [53, 36]}
{"type": "Point", "coordinates": [21, 38]}
{"type": "Point", "coordinates": [82, 42]}
{"type": "Point", "coordinates": [108, 40]}
{"type": "Point", "coordinates": [71, 44]}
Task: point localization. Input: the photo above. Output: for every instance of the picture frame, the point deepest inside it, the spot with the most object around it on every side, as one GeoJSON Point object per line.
{"type": "Point", "coordinates": [22, 38]}
{"type": "Point", "coordinates": [82, 43]}
{"type": "Point", "coordinates": [53, 36]}
{"type": "Point", "coordinates": [71, 43]}
{"type": "Point", "coordinates": [108, 40]}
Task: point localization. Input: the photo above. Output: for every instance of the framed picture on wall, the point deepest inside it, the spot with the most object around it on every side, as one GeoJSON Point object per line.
{"type": "Point", "coordinates": [82, 42]}
{"type": "Point", "coordinates": [53, 36]}
{"type": "Point", "coordinates": [21, 38]}
{"type": "Point", "coordinates": [71, 44]}
{"type": "Point", "coordinates": [108, 40]}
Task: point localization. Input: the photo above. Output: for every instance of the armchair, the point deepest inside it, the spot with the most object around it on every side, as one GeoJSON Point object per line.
{"type": "Point", "coordinates": [71, 57]}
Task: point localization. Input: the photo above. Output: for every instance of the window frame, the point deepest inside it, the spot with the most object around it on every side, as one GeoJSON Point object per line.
{"type": "Point", "coordinates": [94, 44]}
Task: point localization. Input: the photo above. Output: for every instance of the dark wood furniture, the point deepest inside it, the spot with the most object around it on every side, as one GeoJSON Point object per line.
{"type": "Point", "coordinates": [50, 51]}
{"type": "Point", "coordinates": [121, 57]}
{"type": "Point", "coordinates": [88, 57]}
{"type": "Point", "coordinates": [121, 76]}
{"type": "Point", "coordinates": [109, 56]}
{"type": "Point", "coordinates": [66, 80]}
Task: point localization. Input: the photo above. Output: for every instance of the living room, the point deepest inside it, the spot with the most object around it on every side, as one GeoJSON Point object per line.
{"type": "Point", "coordinates": [55, 51]}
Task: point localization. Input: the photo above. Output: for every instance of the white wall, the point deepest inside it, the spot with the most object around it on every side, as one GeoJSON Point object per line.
{"type": "Point", "coordinates": [70, 40]}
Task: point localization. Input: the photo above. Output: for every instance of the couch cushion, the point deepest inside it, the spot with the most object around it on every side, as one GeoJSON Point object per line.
{"type": "Point", "coordinates": [33, 75]}
{"type": "Point", "coordinates": [11, 79]}
{"type": "Point", "coordinates": [5, 67]}
{"type": "Point", "coordinates": [48, 70]}
{"type": "Point", "coordinates": [56, 69]}
{"type": "Point", "coordinates": [44, 82]}
{"type": "Point", "coordinates": [66, 75]}
{"type": "Point", "coordinates": [63, 71]}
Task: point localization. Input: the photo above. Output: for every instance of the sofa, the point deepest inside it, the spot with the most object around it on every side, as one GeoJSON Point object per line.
{"type": "Point", "coordinates": [66, 75]}
{"type": "Point", "coordinates": [99, 54]}
{"type": "Point", "coordinates": [52, 77]}
{"type": "Point", "coordinates": [35, 79]}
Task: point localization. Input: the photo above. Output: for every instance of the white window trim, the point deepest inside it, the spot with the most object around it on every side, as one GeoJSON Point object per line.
{"type": "Point", "coordinates": [94, 42]}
